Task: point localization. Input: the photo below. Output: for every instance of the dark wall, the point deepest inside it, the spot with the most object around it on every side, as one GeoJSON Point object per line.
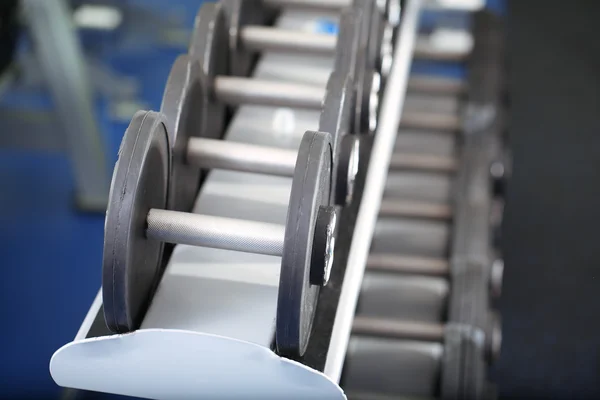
{"type": "Point", "coordinates": [551, 297]}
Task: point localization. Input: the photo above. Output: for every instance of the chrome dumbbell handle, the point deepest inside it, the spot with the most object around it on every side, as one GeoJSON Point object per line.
{"type": "Point", "coordinates": [243, 157]}
{"type": "Point", "coordinates": [263, 38]}
{"type": "Point", "coordinates": [215, 232]}
{"type": "Point", "coordinates": [241, 235]}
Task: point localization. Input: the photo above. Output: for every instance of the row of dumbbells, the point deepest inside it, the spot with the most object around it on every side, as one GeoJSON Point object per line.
{"type": "Point", "coordinates": [425, 324]}
{"type": "Point", "coordinates": [164, 157]}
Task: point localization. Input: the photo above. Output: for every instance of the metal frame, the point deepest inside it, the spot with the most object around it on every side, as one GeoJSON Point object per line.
{"type": "Point", "coordinates": [61, 61]}
{"type": "Point", "coordinates": [209, 329]}
{"type": "Point", "coordinates": [383, 146]}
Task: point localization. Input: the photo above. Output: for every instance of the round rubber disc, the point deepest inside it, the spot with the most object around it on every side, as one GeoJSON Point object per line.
{"type": "Point", "coordinates": [363, 104]}
{"type": "Point", "coordinates": [336, 114]}
{"type": "Point", "coordinates": [241, 13]}
{"type": "Point", "coordinates": [348, 42]}
{"type": "Point", "coordinates": [297, 298]}
{"type": "Point", "coordinates": [131, 263]}
{"type": "Point", "coordinates": [336, 117]}
{"type": "Point", "coordinates": [209, 49]}
{"type": "Point", "coordinates": [209, 43]}
{"type": "Point", "coordinates": [365, 7]}
{"type": "Point", "coordinates": [375, 36]}
{"type": "Point", "coordinates": [180, 103]}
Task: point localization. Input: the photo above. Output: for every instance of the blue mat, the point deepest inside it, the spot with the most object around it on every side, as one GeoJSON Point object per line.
{"type": "Point", "coordinates": [50, 260]}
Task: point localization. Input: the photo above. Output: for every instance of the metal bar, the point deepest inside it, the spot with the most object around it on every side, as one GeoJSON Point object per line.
{"type": "Point", "coordinates": [243, 157]}
{"type": "Point", "coordinates": [429, 266]}
{"type": "Point", "coordinates": [425, 102]}
{"type": "Point", "coordinates": [431, 121]}
{"type": "Point", "coordinates": [411, 236]}
{"type": "Point", "coordinates": [404, 297]}
{"type": "Point", "coordinates": [238, 90]}
{"type": "Point", "coordinates": [436, 85]}
{"type": "Point", "coordinates": [419, 186]}
{"type": "Point", "coordinates": [425, 51]}
{"type": "Point", "coordinates": [215, 232]}
{"type": "Point", "coordinates": [61, 60]}
{"type": "Point", "coordinates": [444, 5]}
{"type": "Point", "coordinates": [262, 38]}
{"type": "Point", "coordinates": [424, 142]}
{"type": "Point", "coordinates": [402, 330]}
{"type": "Point", "coordinates": [389, 367]}
{"type": "Point", "coordinates": [383, 146]}
{"type": "Point", "coordinates": [423, 162]}
{"type": "Point", "coordinates": [328, 5]}
{"type": "Point", "coordinates": [413, 209]}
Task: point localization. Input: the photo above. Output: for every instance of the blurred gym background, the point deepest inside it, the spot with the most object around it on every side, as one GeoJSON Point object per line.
{"type": "Point", "coordinates": [57, 150]}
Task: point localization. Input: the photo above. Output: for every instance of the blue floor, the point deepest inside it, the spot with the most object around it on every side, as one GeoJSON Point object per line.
{"type": "Point", "coordinates": [51, 257]}
{"type": "Point", "coordinates": [51, 253]}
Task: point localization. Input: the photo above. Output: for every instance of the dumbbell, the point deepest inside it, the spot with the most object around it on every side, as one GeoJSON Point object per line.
{"type": "Point", "coordinates": [249, 33]}
{"type": "Point", "coordinates": [423, 242]}
{"type": "Point", "coordinates": [195, 143]}
{"type": "Point", "coordinates": [416, 330]}
{"type": "Point", "coordinates": [419, 248]}
{"type": "Point", "coordinates": [206, 48]}
{"type": "Point", "coordinates": [446, 362]}
{"type": "Point", "coordinates": [139, 221]}
{"type": "Point", "coordinates": [412, 307]}
{"type": "Point", "coordinates": [430, 266]}
{"type": "Point", "coordinates": [211, 36]}
{"type": "Point", "coordinates": [472, 279]}
{"type": "Point", "coordinates": [191, 152]}
{"type": "Point", "coordinates": [197, 91]}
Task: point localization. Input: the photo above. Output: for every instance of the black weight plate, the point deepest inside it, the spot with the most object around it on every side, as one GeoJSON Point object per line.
{"type": "Point", "coordinates": [375, 39]}
{"type": "Point", "coordinates": [368, 88]}
{"type": "Point", "coordinates": [348, 43]}
{"type": "Point", "coordinates": [209, 38]}
{"type": "Point", "coordinates": [365, 8]}
{"type": "Point", "coordinates": [208, 48]}
{"type": "Point", "coordinates": [359, 24]}
{"type": "Point", "coordinates": [469, 295]}
{"type": "Point", "coordinates": [347, 166]}
{"type": "Point", "coordinates": [463, 364]}
{"type": "Point", "coordinates": [336, 116]}
{"type": "Point", "coordinates": [241, 13]}
{"type": "Point", "coordinates": [368, 10]}
{"type": "Point", "coordinates": [131, 262]}
{"type": "Point", "coordinates": [181, 99]}
{"type": "Point", "coordinates": [336, 113]}
{"type": "Point", "coordinates": [297, 298]}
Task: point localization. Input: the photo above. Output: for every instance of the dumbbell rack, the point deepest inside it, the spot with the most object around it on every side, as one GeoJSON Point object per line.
{"type": "Point", "coordinates": [228, 343]}
{"type": "Point", "coordinates": [424, 324]}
